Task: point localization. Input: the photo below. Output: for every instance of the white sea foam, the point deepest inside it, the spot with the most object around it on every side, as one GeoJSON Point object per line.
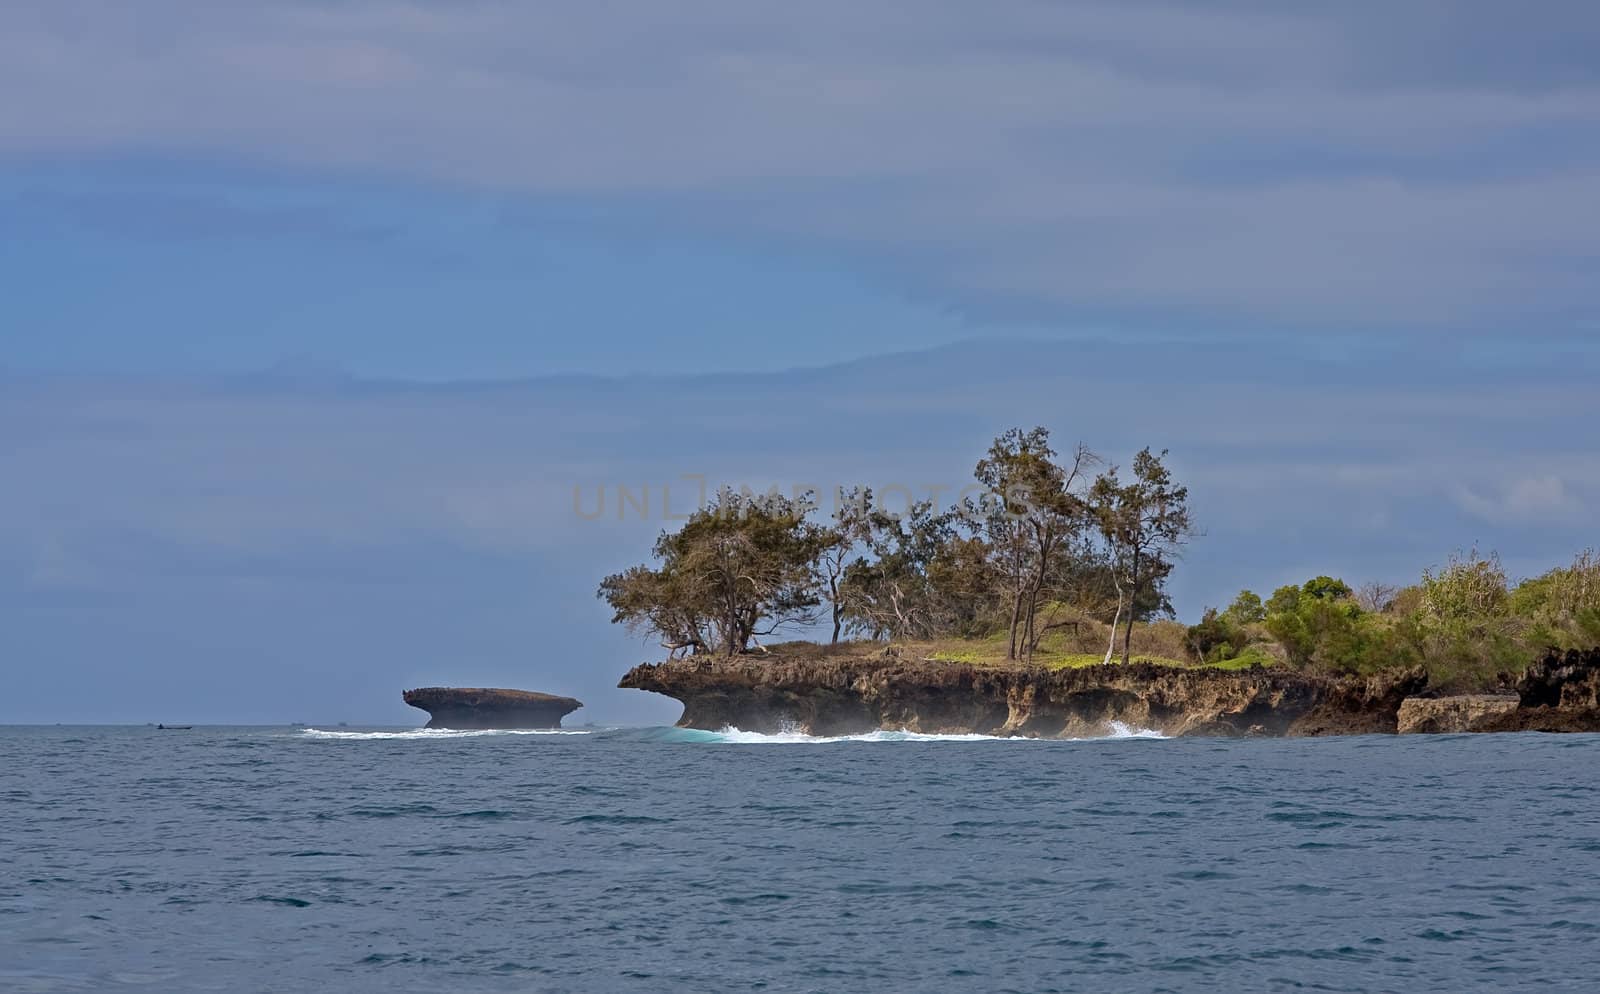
{"type": "Point", "coordinates": [1120, 730]}
{"type": "Point", "coordinates": [741, 737]}
{"type": "Point", "coordinates": [438, 733]}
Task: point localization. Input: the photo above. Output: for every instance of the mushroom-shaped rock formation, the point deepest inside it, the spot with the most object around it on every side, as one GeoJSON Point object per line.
{"type": "Point", "coordinates": [489, 707]}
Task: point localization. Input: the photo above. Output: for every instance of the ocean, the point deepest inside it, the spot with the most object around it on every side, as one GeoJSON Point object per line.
{"type": "Point", "coordinates": [666, 860]}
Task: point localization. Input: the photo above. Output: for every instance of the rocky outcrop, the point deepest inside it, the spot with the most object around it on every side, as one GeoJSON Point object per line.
{"type": "Point", "coordinates": [841, 696]}
{"type": "Point", "coordinates": [487, 707]}
{"type": "Point", "coordinates": [1569, 680]}
{"type": "Point", "coordinates": [832, 694]}
{"type": "Point", "coordinates": [1559, 693]}
{"type": "Point", "coordinates": [1465, 713]}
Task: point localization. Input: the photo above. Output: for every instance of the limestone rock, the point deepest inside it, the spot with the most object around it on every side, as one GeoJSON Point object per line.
{"type": "Point", "coordinates": [1466, 713]}
{"type": "Point", "coordinates": [842, 696]}
{"type": "Point", "coordinates": [490, 707]}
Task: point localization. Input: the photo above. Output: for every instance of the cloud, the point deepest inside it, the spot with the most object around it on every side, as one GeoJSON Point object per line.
{"type": "Point", "coordinates": [1431, 168]}
{"type": "Point", "coordinates": [1531, 499]}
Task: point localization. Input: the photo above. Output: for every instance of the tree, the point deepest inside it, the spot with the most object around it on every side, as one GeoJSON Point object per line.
{"type": "Point", "coordinates": [1225, 634]}
{"type": "Point", "coordinates": [852, 529]}
{"type": "Point", "coordinates": [1145, 524]}
{"type": "Point", "coordinates": [1325, 588]}
{"type": "Point", "coordinates": [659, 602]}
{"type": "Point", "coordinates": [1300, 617]}
{"type": "Point", "coordinates": [892, 595]}
{"type": "Point", "coordinates": [1376, 597]}
{"type": "Point", "coordinates": [1320, 623]}
{"type": "Point", "coordinates": [1214, 637]}
{"type": "Point", "coordinates": [738, 569]}
{"type": "Point", "coordinates": [1246, 609]}
{"type": "Point", "coordinates": [964, 586]}
{"type": "Point", "coordinates": [1032, 516]}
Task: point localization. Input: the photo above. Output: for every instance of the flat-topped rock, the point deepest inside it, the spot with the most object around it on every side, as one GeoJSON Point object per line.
{"type": "Point", "coordinates": [1464, 713]}
{"type": "Point", "coordinates": [478, 708]}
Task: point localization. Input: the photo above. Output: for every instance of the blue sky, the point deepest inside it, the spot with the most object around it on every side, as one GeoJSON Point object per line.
{"type": "Point", "coordinates": [262, 266]}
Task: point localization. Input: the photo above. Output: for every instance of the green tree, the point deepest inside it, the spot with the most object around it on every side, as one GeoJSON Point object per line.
{"type": "Point", "coordinates": [1246, 609]}
{"type": "Point", "coordinates": [892, 594]}
{"type": "Point", "coordinates": [739, 569]}
{"type": "Point", "coordinates": [850, 530]}
{"type": "Point", "coordinates": [1215, 637]}
{"type": "Point", "coordinates": [964, 586]}
{"type": "Point", "coordinates": [1224, 634]}
{"type": "Point", "coordinates": [1032, 515]}
{"type": "Point", "coordinates": [1145, 524]}
{"type": "Point", "coordinates": [1320, 624]}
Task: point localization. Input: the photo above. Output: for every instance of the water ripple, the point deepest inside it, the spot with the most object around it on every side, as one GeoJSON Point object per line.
{"type": "Point", "coordinates": [665, 861]}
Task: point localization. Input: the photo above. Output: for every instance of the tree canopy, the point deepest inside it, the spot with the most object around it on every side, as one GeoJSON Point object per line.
{"type": "Point", "coordinates": [1042, 548]}
{"type": "Point", "coordinates": [741, 568]}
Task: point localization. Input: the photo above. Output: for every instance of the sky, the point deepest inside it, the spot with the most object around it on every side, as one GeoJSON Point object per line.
{"type": "Point", "coordinates": [314, 314]}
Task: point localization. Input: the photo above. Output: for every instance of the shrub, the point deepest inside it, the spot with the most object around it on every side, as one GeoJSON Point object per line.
{"type": "Point", "coordinates": [1469, 586]}
{"type": "Point", "coordinates": [1254, 654]}
{"type": "Point", "coordinates": [1561, 607]}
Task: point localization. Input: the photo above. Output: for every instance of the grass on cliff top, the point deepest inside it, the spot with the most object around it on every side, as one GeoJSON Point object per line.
{"type": "Point", "coordinates": [988, 656]}
{"type": "Point", "coordinates": [1161, 643]}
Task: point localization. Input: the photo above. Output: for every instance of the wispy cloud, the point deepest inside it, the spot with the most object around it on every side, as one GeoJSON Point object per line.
{"type": "Point", "coordinates": [1544, 499]}
{"type": "Point", "coordinates": [1432, 167]}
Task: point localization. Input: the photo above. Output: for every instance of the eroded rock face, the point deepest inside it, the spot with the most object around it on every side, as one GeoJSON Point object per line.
{"type": "Point", "coordinates": [1569, 680]}
{"type": "Point", "coordinates": [1559, 693]}
{"type": "Point", "coordinates": [1465, 713]}
{"type": "Point", "coordinates": [490, 707]}
{"type": "Point", "coordinates": [831, 696]}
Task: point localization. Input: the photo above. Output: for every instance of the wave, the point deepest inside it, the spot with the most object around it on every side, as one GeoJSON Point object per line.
{"type": "Point", "coordinates": [736, 736]}
{"type": "Point", "coordinates": [1120, 730]}
{"type": "Point", "coordinates": [726, 736]}
{"type": "Point", "coordinates": [438, 733]}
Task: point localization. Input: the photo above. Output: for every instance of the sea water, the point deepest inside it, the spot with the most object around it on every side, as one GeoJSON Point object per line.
{"type": "Point", "coordinates": [664, 860]}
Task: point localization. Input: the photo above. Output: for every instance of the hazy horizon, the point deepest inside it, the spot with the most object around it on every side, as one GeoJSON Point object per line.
{"type": "Point", "coordinates": [282, 548]}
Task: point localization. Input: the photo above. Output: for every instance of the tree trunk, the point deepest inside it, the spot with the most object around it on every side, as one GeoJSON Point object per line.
{"type": "Point", "coordinates": [1016, 617]}
{"type": "Point", "coordinates": [1027, 630]}
{"type": "Point", "coordinates": [1133, 603]}
{"type": "Point", "coordinates": [833, 599]}
{"type": "Point", "coordinates": [1116, 619]}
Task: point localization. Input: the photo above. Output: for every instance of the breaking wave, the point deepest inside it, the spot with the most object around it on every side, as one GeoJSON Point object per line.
{"type": "Point", "coordinates": [727, 736]}
{"type": "Point", "coordinates": [437, 733]}
{"type": "Point", "coordinates": [1120, 730]}
{"type": "Point", "coordinates": [736, 736]}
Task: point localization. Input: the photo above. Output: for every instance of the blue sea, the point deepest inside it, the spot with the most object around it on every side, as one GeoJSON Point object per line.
{"type": "Point", "coordinates": [666, 860]}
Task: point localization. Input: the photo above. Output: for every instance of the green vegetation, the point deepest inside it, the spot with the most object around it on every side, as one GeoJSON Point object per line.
{"type": "Point", "coordinates": [1044, 551]}
{"type": "Point", "coordinates": [1465, 621]}
{"type": "Point", "coordinates": [1055, 567]}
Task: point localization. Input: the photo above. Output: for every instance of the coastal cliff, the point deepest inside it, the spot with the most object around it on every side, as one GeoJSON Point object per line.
{"type": "Point", "coordinates": [842, 695]}
{"type": "Point", "coordinates": [488, 707]}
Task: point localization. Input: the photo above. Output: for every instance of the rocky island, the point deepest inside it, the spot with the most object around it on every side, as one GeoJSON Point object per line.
{"type": "Point", "coordinates": [833, 694]}
{"type": "Point", "coordinates": [1038, 605]}
{"type": "Point", "coordinates": [479, 708]}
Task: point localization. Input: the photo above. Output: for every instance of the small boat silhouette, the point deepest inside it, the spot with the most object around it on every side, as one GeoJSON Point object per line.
{"type": "Point", "coordinates": [174, 728]}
